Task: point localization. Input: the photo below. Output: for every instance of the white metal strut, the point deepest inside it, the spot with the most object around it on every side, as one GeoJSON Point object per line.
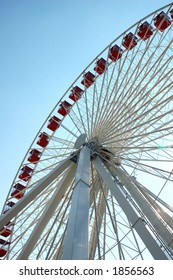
{"type": "Point", "coordinates": [135, 220]}
{"type": "Point", "coordinates": [48, 212]}
{"type": "Point", "coordinates": [28, 197]}
{"type": "Point", "coordinates": [76, 239]}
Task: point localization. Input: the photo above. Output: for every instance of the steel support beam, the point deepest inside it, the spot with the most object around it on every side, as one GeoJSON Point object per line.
{"type": "Point", "coordinates": [169, 207]}
{"type": "Point", "coordinates": [28, 197]}
{"type": "Point", "coordinates": [145, 206]}
{"type": "Point", "coordinates": [96, 227]}
{"type": "Point", "coordinates": [153, 199]}
{"type": "Point", "coordinates": [48, 212]}
{"type": "Point", "coordinates": [135, 220]}
{"type": "Point", "coordinates": [76, 239]}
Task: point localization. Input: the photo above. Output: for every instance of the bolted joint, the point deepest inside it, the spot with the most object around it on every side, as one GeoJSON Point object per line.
{"type": "Point", "coordinates": [74, 157]}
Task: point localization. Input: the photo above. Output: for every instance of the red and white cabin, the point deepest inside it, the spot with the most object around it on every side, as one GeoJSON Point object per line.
{"type": "Point", "coordinates": [100, 66]}
{"type": "Point", "coordinates": [145, 31]}
{"type": "Point", "coordinates": [44, 139]}
{"type": "Point", "coordinates": [162, 21]}
{"type": "Point", "coordinates": [76, 93]}
{"type": "Point", "coordinates": [115, 53]}
{"type": "Point", "coordinates": [3, 247]}
{"type": "Point", "coordinates": [129, 41]}
{"type": "Point", "coordinates": [64, 108]}
{"type": "Point", "coordinates": [34, 156]}
{"type": "Point", "coordinates": [88, 79]}
{"type": "Point", "coordinates": [18, 191]}
{"type": "Point", "coordinates": [26, 173]}
{"type": "Point", "coordinates": [54, 123]}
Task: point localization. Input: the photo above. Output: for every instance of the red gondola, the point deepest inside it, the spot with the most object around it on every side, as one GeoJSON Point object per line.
{"type": "Point", "coordinates": [3, 249]}
{"type": "Point", "coordinates": [76, 93]}
{"type": "Point", "coordinates": [34, 156]}
{"type": "Point", "coordinates": [8, 206]}
{"type": "Point", "coordinates": [100, 66]}
{"type": "Point", "coordinates": [2, 252]}
{"type": "Point", "coordinates": [162, 21]}
{"type": "Point", "coordinates": [115, 53]}
{"type": "Point", "coordinates": [5, 232]}
{"type": "Point", "coordinates": [88, 79]}
{"type": "Point", "coordinates": [64, 108]}
{"type": "Point", "coordinates": [44, 139]}
{"type": "Point", "coordinates": [18, 191]}
{"type": "Point", "coordinates": [129, 41]}
{"type": "Point", "coordinates": [145, 31]}
{"type": "Point", "coordinates": [26, 173]}
{"type": "Point", "coordinates": [54, 123]}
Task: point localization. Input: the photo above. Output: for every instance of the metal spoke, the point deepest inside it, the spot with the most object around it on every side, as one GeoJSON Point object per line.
{"type": "Point", "coordinates": [96, 182]}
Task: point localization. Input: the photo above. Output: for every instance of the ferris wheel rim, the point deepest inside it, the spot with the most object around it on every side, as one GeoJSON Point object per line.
{"type": "Point", "coordinates": [80, 76]}
{"type": "Point", "coordinates": [84, 71]}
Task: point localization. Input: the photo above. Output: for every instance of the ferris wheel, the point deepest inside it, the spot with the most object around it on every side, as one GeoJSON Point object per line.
{"type": "Point", "coordinates": [96, 182]}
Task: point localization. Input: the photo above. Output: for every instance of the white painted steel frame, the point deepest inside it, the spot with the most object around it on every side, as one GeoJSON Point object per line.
{"type": "Point", "coordinates": [28, 197]}
{"type": "Point", "coordinates": [146, 208]}
{"type": "Point", "coordinates": [76, 240]}
{"type": "Point", "coordinates": [48, 212]}
{"type": "Point", "coordinates": [104, 114]}
{"type": "Point", "coordinates": [136, 221]}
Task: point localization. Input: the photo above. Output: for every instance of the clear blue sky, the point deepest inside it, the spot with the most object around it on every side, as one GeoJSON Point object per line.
{"type": "Point", "coordinates": [44, 45]}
